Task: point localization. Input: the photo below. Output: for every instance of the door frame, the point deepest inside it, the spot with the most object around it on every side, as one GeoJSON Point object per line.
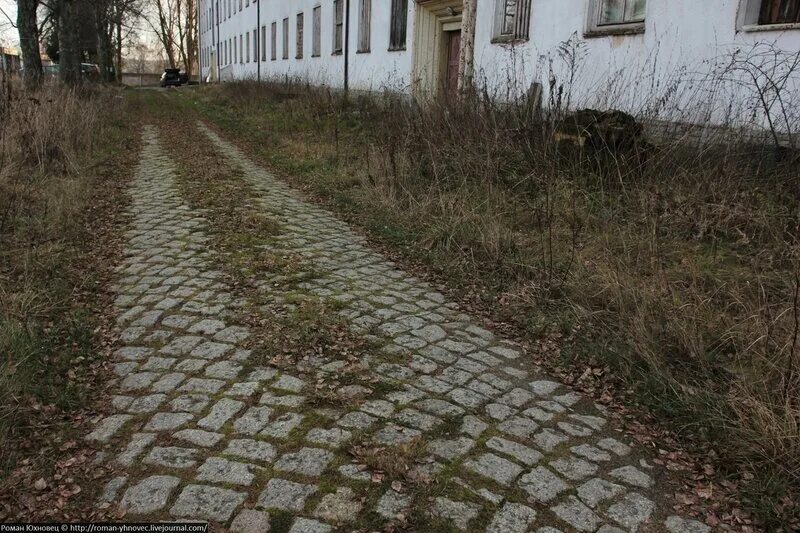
{"type": "Point", "coordinates": [430, 45]}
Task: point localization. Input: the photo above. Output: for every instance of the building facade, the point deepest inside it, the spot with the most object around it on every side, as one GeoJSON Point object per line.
{"type": "Point", "coordinates": [10, 60]}
{"type": "Point", "coordinates": [614, 53]}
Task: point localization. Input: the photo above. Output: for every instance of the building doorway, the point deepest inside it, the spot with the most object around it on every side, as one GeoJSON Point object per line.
{"type": "Point", "coordinates": [437, 48]}
{"type": "Point", "coordinates": [453, 61]}
{"type": "Point", "coordinates": [212, 67]}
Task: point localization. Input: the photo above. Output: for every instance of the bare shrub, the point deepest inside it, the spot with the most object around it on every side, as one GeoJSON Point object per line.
{"type": "Point", "coordinates": [44, 138]}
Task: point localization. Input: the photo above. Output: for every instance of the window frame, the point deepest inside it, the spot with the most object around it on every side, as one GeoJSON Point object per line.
{"type": "Point", "coordinates": [274, 41]}
{"type": "Point", "coordinates": [394, 44]}
{"type": "Point", "coordinates": [316, 31]}
{"type": "Point", "coordinates": [299, 34]}
{"type": "Point", "coordinates": [521, 26]}
{"type": "Point", "coordinates": [595, 29]}
{"type": "Point", "coordinates": [263, 43]}
{"type": "Point", "coordinates": [285, 41]}
{"type": "Point", "coordinates": [364, 27]}
{"type": "Point", "coordinates": [749, 16]}
{"type": "Point", "coordinates": [338, 27]}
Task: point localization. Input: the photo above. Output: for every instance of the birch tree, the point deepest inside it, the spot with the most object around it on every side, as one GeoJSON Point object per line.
{"type": "Point", "coordinates": [466, 66]}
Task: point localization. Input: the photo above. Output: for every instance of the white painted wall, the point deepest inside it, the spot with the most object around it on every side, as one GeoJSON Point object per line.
{"type": "Point", "coordinates": [376, 70]}
{"type": "Point", "coordinates": [682, 39]}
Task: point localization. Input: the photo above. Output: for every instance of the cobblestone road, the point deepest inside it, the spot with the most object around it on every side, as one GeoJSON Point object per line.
{"type": "Point", "coordinates": [202, 434]}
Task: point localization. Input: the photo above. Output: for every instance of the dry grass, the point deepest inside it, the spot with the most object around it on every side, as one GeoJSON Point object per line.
{"type": "Point", "coordinates": [677, 267]}
{"type": "Point", "coordinates": [394, 462]}
{"type": "Point", "coordinates": [47, 139]}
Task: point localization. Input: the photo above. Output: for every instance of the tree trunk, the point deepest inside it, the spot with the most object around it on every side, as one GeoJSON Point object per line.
{"type": "Point", "coordinates": [466, 66]}
{"type": "Point", "coordinates": [105, 49]}
{"type": "Point", "coordinates": [69, 63]}
{"type": "Point", "coordinates": [166, 29]}
{"type": "Point", "coordinates": [119, 44]}
{"type": "Point", "coordinates": [181, 28]}
{"type": "Point", "coordinates": [191, 43]}
{"type": "Point", "coordinates": [29, 42]}
{"type": "Point", "coordinates": [105, 52]}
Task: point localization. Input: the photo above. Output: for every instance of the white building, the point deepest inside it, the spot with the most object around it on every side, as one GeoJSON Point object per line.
{"type": "Point", "coordinates": [614, 53]}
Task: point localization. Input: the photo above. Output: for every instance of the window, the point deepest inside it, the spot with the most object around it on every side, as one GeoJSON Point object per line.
{"type": "Point", "coordinates": [286, 38]}
{"type": "Point", "coordinates": [397, 31]}
{"type": "Point", "coordinates": [299, 37]}
{"type": "Point", "coordinates": [779, 12]}
{"type": "Point", "coordinates": [255, 45]}
{"type": "Point", "coordinates": [241, 50]}
{"type": "Point", "coordinates": [316, 30]}
{"type": "Point", "coordinates": [338, 25]}
{"type": "Point", "coordinates": [264, 43]}
{"type": "Point", "coordinates": [274, 41]}
{"type": "Point", "coordinates": [512, 20]}
{"type": "Point", "coordinates": [766, 15]}
{"type": "Point", "coordinates": [233, 47]}
{"type": "Point", "coordinates": [622, 11]}
{"type": "Point", "coordinates": [240, 5]}
{"type": "Point", "coordinates": [608, 17]}
{"type": "Point", "coordinates": [247, 46]}
{"type": "Point", "coordinates": [364, 26]}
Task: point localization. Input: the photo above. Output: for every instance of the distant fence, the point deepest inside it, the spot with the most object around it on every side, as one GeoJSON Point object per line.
{"type": "Point", "coordinates": [140, 80]}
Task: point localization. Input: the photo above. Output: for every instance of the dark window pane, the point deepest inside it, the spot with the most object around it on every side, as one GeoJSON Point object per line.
{"type": "Point", "coordinates": [397, 37]}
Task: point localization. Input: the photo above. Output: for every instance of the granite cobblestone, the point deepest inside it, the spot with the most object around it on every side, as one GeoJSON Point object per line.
{"type": "Point", "coordinates": [214, 437]}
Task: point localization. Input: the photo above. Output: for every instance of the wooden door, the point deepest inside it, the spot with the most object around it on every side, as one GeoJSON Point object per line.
{"type": "Point", "coordinates": [453, 59]}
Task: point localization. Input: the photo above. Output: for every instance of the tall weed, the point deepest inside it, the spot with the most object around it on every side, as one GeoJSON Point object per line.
{"type": "Point", "coordinates": [675, 263]}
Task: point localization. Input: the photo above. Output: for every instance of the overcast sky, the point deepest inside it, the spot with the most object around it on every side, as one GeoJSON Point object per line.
{"type": "Point", "coordinates": [8, 34]}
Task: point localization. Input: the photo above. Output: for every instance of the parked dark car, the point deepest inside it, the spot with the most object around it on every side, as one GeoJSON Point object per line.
{"type": "Point", "coordinates": [172, 77]}
{"type": "Point", "coordinates": [90, 71]}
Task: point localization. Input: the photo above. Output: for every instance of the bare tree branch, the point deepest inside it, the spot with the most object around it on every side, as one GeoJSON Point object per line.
{"type": "Point", "coordinates": [10, 21]}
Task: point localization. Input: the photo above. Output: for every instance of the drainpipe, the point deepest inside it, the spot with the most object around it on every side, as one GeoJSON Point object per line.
{"type": "Point", "coordinates": [346, 46]}
{"type": "Point", "coordinates": [216, 52]}
{"type": "Point", "coordinates": [258, 38]}
{"type": "Point", "coordinates": [199, 48]}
